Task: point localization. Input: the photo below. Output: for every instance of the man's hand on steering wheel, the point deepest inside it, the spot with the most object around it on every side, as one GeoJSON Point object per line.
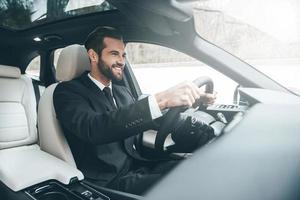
{"type": "Point", "coordinates": [185, 94]}
{"type": "Point", "coordinates": [206, 99]}
{"type": "Point", "coordinates": [179, 99]}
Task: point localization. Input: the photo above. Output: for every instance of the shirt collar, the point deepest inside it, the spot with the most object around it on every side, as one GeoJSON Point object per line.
{"type": "Point", "coordinates": [98, 83]}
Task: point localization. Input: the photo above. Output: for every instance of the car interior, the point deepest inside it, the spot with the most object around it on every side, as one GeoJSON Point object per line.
{"type": "Point", "coordinates": [253, 152]}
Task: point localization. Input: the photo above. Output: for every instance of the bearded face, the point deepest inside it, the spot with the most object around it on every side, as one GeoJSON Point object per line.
{"type": "Point", "coordinates": [112, 59]}
{"type": "Point", "coordinates": [112, 72]}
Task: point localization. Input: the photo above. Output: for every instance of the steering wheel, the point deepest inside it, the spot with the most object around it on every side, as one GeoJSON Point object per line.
{"type": "Point", "coordinates": [171, 116]}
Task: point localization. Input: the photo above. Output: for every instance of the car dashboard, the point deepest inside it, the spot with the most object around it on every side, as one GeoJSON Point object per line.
{"type": "Point", "coordinates": [224, 117]}
{"type": "Point", "coordinates": [255, 157]}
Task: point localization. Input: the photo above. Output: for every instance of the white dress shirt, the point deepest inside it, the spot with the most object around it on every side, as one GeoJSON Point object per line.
{"type": "Point", "coordinates": [153, 105]}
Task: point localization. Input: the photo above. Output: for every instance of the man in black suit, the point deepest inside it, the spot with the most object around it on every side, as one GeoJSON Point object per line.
{"type": "Point", "coordinates": [101, 119]}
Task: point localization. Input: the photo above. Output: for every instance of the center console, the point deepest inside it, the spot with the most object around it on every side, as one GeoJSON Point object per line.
{"type": "Point", "coordinates": [53, 190]}
{"type": "Point", "coordinates": [29, 173]}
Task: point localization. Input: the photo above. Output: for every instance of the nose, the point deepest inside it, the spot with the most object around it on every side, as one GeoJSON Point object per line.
{"type": "Point", "coordinates": [121, 61]}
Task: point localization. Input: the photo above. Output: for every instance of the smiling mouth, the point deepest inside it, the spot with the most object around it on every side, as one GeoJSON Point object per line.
{"type": "Point", "coordinates": [118, 67]}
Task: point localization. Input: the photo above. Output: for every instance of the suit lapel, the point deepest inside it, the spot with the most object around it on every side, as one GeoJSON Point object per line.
{"type": "Point", "coordinates": [117, 96]}
{"type": "Point", "coordinates": [122, 96]}
{"type": "Point", "coordinates": [95, 90]}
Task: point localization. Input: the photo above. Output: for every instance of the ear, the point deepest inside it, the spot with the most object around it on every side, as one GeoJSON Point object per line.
{"type": "Point", "coordinates": [93, 55]}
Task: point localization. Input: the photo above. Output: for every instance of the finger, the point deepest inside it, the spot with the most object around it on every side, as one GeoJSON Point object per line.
{"type": "Point", "coordinates": [211, 100]}
{"type": "Point", "coordinates": [210, 96]}
{"type": "Point", "coordinates": [188, 100]}
{"type": "Point", "coordinates": [191, 88]}
{"type": "Point", "coordinates": [214, 95]}
{"type": "Point", "coordinates": [206, 98]}
{"type": "Point", "coordinates": [196, 91]}
{"type": "Point", "coordinates": [190, 91]}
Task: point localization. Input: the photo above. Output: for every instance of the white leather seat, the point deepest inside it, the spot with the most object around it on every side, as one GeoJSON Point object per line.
{"type": "Point", "coordinates": [72, 62]}
{"type": "Point", "coordinates": [22, 163]}
{"type": "Point", "coordinates": [17, 109]}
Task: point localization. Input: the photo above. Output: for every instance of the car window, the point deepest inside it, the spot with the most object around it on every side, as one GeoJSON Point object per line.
{"type": "Point", "coordinates": [157, 68]}
{"type": "Point", "coordinates": [21, 14]}
{"type": "Point", "coordinates": [33, 68]}
{"type": "Point", "coordinates": [265, 34]}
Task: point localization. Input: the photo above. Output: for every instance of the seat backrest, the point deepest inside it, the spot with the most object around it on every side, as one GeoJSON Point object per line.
{"type": "Point", "coordinates": [22, 163]}
{"type": "Point", "coordinates": [72, 62]}
{"type": "Point", "coordinates": [17, 109]}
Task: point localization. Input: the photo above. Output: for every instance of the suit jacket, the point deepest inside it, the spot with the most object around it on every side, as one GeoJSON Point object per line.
{"type": "Point", "coordinates": [99, 135]}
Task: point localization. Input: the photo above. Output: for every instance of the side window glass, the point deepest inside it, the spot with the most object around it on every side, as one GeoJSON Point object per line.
{"type": "Point", "coordinates": [157, 68]}
{"type": "Point", "coordinates": [33, 68]}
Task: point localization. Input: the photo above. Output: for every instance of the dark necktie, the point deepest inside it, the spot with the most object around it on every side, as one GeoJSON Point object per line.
{"type": "Point", "coordinates": [107, 93]}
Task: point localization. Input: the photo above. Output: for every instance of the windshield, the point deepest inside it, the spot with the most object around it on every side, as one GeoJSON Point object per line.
{"type": "Point", "coordinates": [266, 34]}
{"type": "Point", "coordinates": [23, 14]}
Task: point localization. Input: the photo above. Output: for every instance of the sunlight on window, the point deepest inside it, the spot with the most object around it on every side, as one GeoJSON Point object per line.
{"type": "Point", "coordinates": [76, 4]}
{"type": "Point", "coordinates": [277, 18]}
{"type": "Point", "coordinates": [39, 10]}
{"type": "Point", "coordinates": [265, 34]}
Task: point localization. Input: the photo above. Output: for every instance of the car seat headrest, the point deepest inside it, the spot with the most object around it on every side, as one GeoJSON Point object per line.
{"type": "Point", "coordinates": [9, 72]}
{"type": "Point", "coordinates": [72, 62]}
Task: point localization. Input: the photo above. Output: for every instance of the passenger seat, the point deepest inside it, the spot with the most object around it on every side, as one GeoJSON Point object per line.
{"type": "Point", "coordinates": [17, 109]}
{"type": "Point", "coordinates": [22, 162]}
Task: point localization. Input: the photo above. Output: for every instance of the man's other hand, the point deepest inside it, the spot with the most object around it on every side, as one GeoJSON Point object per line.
{"type": "Point", "coordinates": [206, 99]}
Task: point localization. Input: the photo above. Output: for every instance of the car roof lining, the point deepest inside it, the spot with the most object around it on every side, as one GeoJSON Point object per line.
{"type": "Point", "coordinates": [155, 18]}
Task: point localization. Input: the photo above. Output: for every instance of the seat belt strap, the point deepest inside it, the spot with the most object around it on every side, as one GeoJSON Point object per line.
{"type": "Point", "coordinates": [36, 92]}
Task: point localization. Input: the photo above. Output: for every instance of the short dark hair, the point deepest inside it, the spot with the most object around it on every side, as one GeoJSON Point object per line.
{"type": "Point", "coordinates": [95, 38]}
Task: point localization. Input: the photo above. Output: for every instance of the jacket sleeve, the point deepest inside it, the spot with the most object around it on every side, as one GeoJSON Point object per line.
{"type": "Point", "coordinates": [77, 117]}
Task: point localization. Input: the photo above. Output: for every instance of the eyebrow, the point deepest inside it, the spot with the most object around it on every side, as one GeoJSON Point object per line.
{"type": "Point", "coordinates": [114, 51]}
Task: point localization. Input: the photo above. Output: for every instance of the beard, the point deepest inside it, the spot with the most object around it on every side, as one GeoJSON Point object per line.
{"type": "Point", "coordinates": [108, 71]}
